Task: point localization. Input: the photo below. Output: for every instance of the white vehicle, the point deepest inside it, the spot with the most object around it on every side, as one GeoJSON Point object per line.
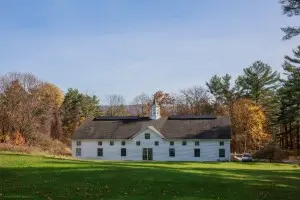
{"type": "Point", "coordinates": [246, 157]}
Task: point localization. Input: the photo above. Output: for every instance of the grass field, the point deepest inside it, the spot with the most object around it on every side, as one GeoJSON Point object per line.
{"type": "Point", "coordinates": [37, 177]}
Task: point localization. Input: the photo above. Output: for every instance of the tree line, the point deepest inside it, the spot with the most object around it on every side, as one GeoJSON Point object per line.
{"type": "Point", "coordinates": [289, 93]}
{"type": "Point", "coordinates": [263, 105]}
{"type": "Point", "coordinates": [259, 103]}
{"type": "Point", "coordinates": [30, 107]}
{"type": "Point", "coordinates": [250, 101]}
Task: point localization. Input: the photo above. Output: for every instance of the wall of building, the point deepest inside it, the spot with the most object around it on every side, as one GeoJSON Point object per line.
{"type": "Point", "coordinates": [209, 149]}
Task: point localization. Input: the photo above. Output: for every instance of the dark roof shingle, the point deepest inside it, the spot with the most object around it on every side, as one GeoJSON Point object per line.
{"type": "Point", "coordinates": [214, 128]}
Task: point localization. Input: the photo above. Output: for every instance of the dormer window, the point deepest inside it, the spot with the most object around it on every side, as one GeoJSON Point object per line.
{"type": "Point", "coordinates": [147, 136]}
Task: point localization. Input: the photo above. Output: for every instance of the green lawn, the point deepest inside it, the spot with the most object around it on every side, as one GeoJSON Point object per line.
{"type": "Point", "coordinates": [37, 177]}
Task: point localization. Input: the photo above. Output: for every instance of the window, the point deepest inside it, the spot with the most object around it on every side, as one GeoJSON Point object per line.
{"type": "Point", "coordinates": [123, 143]}
{"type": "Point", "coordinates": [78, 143]}
{"type": "Point", "coordinates": [222, 153]}
{"type": "Point", "coordinates": [222, 143]}
{"type": "Point", "coordinates": [197, 143]}
{"type": "Point", "coordinates": [183, 143]}
{"type": "Point", "coordinates": [99, 143]}
{"type": "Point", "coordinates": [100, 152]}
{"type": "Point", "coordinates": [123, 151]}
{"type": "Point", "coordinates": [111, 143]}
{"type": "Point", "coordinates": [171, 143]}
{"type": "Point", "coordinates": [147, 136]}
{"type": "Point", "coordinates": [78, 151]}
{"type": "Point", "coordinates": [197, 152]}
{"type": "Point", "coordinates": [138, 143]}
{"type": "Point", "coordinates": [171, 152]}
{"type": "Point", "coordinates": [156, 143]}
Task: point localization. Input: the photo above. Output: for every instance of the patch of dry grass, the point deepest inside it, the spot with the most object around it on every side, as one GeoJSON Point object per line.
{"type": "Point", "coordinates": [55, 149]}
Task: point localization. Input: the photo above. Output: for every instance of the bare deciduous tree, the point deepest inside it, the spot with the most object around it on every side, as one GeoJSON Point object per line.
{"type": "Point", "coordinates": [20, 110]}
{"type": "Point", "coordinates": [27, 80]}
{"type": "Point", "coordinates": [116, 105]}
{"type": "Point", "coordinates": [141, 103]}
{"type": "Point", "coordinates": [193, 101]}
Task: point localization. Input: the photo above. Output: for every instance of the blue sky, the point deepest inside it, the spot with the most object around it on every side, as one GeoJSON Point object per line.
{"type": "Point", "coordinates": [132, 46]}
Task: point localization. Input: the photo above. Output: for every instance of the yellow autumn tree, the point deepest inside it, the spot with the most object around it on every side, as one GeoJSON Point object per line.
{"type": "Point", "coordinates": [49, 98]}
{"type": "Point", "coordinates": [50, 94]}
{"type": "Point", "coordinates": [249, 126]}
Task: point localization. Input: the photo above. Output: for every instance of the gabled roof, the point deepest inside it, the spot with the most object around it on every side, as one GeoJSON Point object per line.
{"type": "Point", "coordinates": [190, 128]}
{"type": "Point", "coordinates": [151, 128]}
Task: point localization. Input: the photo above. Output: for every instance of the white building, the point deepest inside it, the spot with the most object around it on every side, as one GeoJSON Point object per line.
{"type": "Point", "coordinates": [176, 138]}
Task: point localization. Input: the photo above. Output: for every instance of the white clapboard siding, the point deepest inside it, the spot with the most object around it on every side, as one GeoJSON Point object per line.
{"type": "Point", "coordinates": [209, 149]}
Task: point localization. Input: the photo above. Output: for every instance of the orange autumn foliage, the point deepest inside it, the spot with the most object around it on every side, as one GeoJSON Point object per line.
{"type": "Point", "coordinates": [165, 101]}
{"type": "Point", "coordinates": [17, 138]}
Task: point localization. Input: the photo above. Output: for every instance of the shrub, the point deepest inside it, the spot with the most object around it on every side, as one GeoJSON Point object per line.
{"type": "Point", "coordinates": [46, 144]}
{"type": "Point", "coordinates": [272, 152]}
{"type": "Point", "coordinates": [17, 138]}
{"type": "Point", "coordinates": [4, 137]}
{"type": "Point", "coordinates": [37, 144]}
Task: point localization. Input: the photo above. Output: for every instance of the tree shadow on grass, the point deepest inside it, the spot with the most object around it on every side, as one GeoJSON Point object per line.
{"type": "Point", "coordinates": [123, 180]}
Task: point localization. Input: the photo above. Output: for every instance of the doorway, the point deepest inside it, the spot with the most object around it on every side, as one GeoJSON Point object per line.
{"type": "Point", "coordinates": [147, 154]}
